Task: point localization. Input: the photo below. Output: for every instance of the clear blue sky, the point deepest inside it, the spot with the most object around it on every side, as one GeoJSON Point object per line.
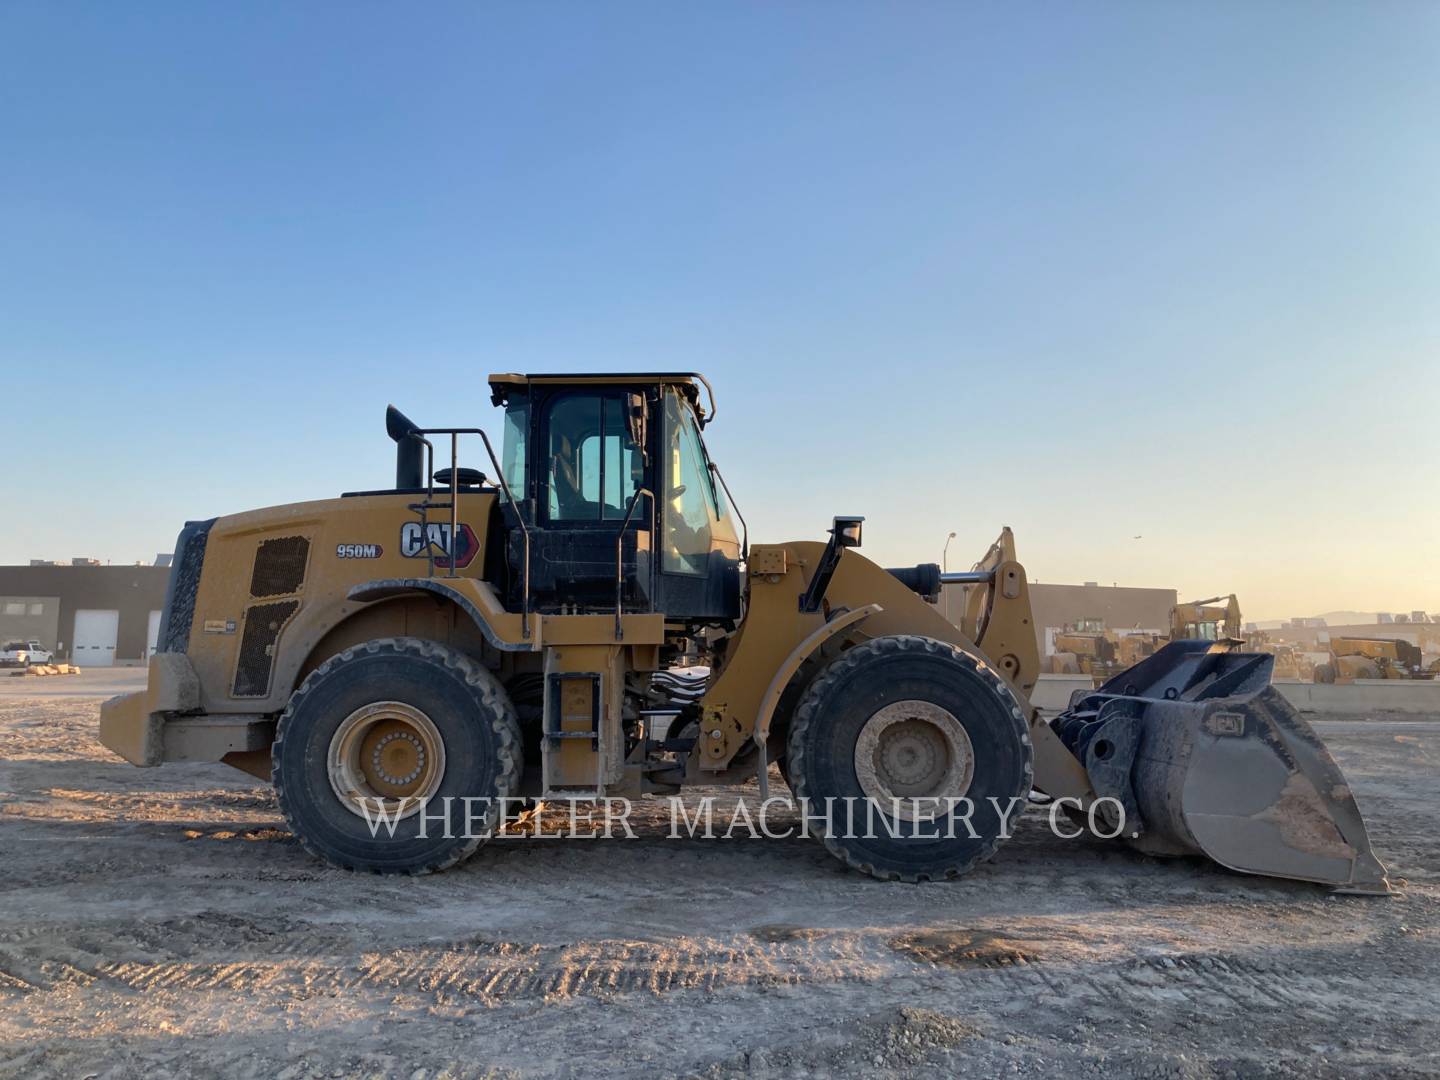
{"type": "Point", "coordinates": [1091, 270]}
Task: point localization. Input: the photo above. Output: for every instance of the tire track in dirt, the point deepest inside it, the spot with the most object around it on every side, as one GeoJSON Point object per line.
{"type": "Point", "coordinates": [289, 962]}
{"type": "Point", "coordinates": [483, 971]}
{"type": "Point", "coordinates": [1217, 984]}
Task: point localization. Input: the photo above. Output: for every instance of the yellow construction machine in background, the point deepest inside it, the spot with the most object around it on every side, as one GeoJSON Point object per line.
{"type": "Point", "coordinates": [1354, 658]}
{"type": "Point", "coordinates": [1196, 621]}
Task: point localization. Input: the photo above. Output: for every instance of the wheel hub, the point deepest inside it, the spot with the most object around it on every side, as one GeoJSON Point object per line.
{"type": "Point", "coordinates": [397, 753]}
{"type": "Point", "coordinates": [386, 755]}
{"type": "Point", "coordinates": [916, 752]}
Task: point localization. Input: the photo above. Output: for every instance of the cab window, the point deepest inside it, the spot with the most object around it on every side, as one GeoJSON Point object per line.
{"type": "Point", "coordinates": [689, 498]}
{"type": "Point", "coordinates": [595, 467]}
{"type": "Point", "coordinates": [517, 433]}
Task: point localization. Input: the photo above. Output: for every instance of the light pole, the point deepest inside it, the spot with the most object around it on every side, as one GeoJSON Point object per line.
{"type": "Point", "coordinates": [944, 566]}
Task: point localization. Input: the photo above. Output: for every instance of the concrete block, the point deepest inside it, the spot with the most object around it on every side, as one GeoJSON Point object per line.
{"type": "Point", "coordinates": [1052, 692]}
{"type": "Point", "coordinates": [1411, 697]}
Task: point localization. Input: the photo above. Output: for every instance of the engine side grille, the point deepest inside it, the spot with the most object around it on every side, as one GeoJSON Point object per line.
{"type": "Point", "coordinates": [279, 566]}
{"type": "Point", "coordinates": [263, 623]}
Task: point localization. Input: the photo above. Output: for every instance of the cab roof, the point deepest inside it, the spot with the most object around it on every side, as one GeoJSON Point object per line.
{"type": "Point", "coordinates": [503, 384]}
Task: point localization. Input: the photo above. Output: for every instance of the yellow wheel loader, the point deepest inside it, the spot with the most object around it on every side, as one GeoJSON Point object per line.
{"type": "Point", "coordinates": [1097, 653]}
{"type": "Point", "coordinates": [1196, 621]}
{"type": "Point", "coordinates": [1089, 652]}
{"type": "Point", "coordinates": [429, 650]}
{"type": "Point", "coordinates": [1354, 658]}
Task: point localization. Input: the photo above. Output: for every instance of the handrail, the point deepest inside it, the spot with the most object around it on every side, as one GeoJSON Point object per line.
{"type": "Point", "coordinates": [705, 420]}
{"type": "Point", "coordinates": [422, 507]}
{"type": "Point", "coordinates": [620, 558]}
{"type": "Point", "coordinates": [455, 434]}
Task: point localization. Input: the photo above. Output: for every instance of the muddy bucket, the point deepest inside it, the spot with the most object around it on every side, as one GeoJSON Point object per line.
{"type": "Point", "coordinates": [1204, 757]}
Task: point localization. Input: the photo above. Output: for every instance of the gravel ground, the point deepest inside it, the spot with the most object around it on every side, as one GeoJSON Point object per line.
{"type": "Point", "coordinates": [163, 922]}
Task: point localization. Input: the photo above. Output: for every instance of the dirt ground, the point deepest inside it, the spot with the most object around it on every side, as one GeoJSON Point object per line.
{"type": "Point", "coordinates": [163, 923]}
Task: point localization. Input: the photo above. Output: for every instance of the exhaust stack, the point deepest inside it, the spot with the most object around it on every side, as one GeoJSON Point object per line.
{"type": "Point", "coordinates": [409, 449]}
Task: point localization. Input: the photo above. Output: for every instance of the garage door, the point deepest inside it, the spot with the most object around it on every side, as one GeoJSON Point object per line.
{"type": "Point", "coordinates": [93, 643]}
{"type": "Point", "coordinates": [152, 635]}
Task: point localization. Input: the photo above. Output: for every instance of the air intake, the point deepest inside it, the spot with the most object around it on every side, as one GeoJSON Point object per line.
{"type": "Point", "coordinates": [279, 566]}
{"type": "Point", "coordinates": [263, 624]}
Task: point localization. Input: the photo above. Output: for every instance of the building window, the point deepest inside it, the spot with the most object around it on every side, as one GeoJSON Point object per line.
{"type": "Point", "coordinates": [37, 609]}
{"type": "Point", "coordinates": [13, 607]}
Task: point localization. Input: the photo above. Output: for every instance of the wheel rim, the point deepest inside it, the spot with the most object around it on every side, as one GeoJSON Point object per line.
{"type": "Point", "coordinates": [916, 752]}
{"type": "Point", "coordinates": [389, 751]}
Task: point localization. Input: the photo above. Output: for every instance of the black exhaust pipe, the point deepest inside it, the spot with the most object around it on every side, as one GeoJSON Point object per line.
{"type": "Point", "coordinates": [409, 449]}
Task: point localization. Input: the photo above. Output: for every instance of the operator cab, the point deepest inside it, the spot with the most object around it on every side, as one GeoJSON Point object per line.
{"type": "Point", "coordinates": [611, 476]}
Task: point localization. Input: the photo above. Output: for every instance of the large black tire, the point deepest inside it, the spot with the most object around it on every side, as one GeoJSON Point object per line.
{"type": "Point", "coordinates": [482, 750]}
{"type": "Point", "coordinates": [853, 688]}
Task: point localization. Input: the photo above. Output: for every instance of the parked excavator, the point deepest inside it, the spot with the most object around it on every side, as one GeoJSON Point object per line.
{"type": "Point", "coordinates": [430, 649]}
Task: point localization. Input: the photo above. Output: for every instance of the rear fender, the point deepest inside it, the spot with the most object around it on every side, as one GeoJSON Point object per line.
{"type": "Point", "coordinates": [502, 630]}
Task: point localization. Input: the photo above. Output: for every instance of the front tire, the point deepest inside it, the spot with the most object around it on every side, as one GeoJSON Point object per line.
{"type": "Point", "coordinates": [910, 718]}
{"type": "Point", "coordinates": [389, 723]}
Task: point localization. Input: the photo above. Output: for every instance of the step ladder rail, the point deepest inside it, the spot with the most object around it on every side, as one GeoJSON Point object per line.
{"type": "Point", "coordinates": [554, 733]}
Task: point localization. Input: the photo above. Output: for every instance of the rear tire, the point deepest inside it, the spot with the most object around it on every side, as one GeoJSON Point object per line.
{"type": "Point", "coordinates": [941, 723]}
{"type": "Point", "coordinates": [444, 718]}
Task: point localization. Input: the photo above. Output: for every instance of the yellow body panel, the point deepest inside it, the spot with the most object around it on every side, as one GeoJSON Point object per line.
{"type": "Point", "coordinates": [590, 678]}
{"type": "Point", "coordinates": [774, 627]}
{"type": "Point", "coordinates": [1374, 648]}
{"type": "Point", "coordinates": [331, 526]}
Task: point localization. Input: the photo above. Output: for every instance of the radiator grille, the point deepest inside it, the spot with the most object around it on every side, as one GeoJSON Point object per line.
{"type": "Point", "coordinates": [183, 585]}
{"type": "Point", "coordinates": [263, 623]}
{"type": "Point", "coordinates": [279, 566]}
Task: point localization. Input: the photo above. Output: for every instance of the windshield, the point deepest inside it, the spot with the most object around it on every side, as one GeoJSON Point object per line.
{"type": "Point", "coordinates": [723, 511]}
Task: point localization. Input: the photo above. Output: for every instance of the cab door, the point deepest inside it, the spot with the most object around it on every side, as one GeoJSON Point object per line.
{"type": "Point", "coordinates": [589, 472]}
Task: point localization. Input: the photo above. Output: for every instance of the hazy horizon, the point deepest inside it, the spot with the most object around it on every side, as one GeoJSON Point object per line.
{"type": "Point", "coordinates": [1096, 273]}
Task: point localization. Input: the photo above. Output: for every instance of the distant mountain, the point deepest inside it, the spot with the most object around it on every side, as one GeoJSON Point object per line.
{"type": "Point", "coordinates": [1349, 618]}
{"type": "Point", "coordinates": [1332, 618]}
{"type": "Point", "coordinates": [1342, 618]}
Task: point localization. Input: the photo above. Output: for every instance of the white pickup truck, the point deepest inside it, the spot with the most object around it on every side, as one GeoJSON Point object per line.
{"type": "Point", "coordinates": [24, 653]}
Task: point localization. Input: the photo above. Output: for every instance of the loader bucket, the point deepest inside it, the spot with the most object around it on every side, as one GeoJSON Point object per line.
{"type": "Point", "coordinates": [1206, 757]}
